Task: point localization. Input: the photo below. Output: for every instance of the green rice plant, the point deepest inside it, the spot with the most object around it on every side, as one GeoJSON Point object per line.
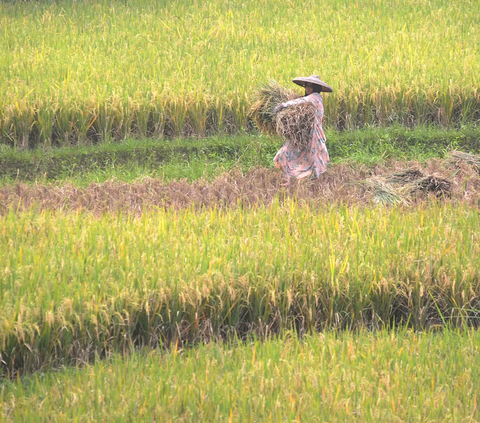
{"type": "Point", "coordinates": [156, 122]}
{"type": "Point", "coordinates": [104, 122]}
{"type": "Point", "coordinates": [122, 126]}
{"type": "Point", "coordinates": [85, 118]}
{"type": "Point", "coordinates": [176, 112]}
{"type": "Point", "coordinates": [184, 53]}
{"type": "Point", "coordinates": [65, 129]}
{"type": "Point", "coordinates": [394, 375]}
{"type": "Point", "coordinates": [22, 124]}
{"type": "Point", "coordinates": [142, 119]}
{"type": "Point", "coordinates": [76, 286]}
{"type": "Point", "coordinates": [45, 121]}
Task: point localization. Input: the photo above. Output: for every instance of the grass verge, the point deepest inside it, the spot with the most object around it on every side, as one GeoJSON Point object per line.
{"type": "Point", "coordinates": [382, 376]}
{"type": "Point", "coordinates": [206, 158]}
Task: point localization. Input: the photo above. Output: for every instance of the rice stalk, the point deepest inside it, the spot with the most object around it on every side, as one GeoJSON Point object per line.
{"type": "Point", "coordinates": [294, 124]}
{"type": "Point", "coordinates": [383, 192]}
{"type": "Point", "coordinates": [265, 99]}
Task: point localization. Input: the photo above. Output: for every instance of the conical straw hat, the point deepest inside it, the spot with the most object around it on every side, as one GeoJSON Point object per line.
{"type": "Point", "coordinates": [313, 79]}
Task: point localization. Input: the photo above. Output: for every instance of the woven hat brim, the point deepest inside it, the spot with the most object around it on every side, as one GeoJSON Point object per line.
{"type": "Point", "coordinates": [303, 80]}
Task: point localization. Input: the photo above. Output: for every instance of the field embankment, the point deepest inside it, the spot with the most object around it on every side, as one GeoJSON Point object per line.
{"type": "Point", "coordinates": [364, 377]}
{"type": "Point", "coordinates": [193, 159]}
{"type": "Point", "coordinates": [171, 69]}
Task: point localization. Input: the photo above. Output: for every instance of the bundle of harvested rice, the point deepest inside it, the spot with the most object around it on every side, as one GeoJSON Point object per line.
{"type": "Point", "coordinates": [459, 156]}
{"type": "Point", "coordinates": [383, 192]}
{"type": "Point", "coordinates": [405, 176]}
{"type": "Point", "coordinates": [266, 98]}
{"type": "Point", "coordinates": [432, 184]}
{"type": "Point", "coordinates": [294, 124]}
{"type": "Point", "coordinates": [401, 186]}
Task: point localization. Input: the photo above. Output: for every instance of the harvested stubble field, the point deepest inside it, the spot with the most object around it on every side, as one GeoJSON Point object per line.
{"type": "Point", "coordinates": [343, 183]}
{"type": "Point", "coordinates": [165, 68]}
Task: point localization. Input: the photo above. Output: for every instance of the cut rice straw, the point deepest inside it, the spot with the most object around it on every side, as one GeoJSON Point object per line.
{"type": "Point", "coordinates": [265, 99]}
{"type": "Point", "coordinates": [295, 123]}
{"type": "Point", "coordinates": [457, 157]}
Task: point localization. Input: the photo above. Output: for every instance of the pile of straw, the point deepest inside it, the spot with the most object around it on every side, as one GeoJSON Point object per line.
{"type": "Point", "coordinates": [294, 124]}
{"type": "Point", "coordinates": [401, 186]}
{"type": "Point", "coordinates": [266, 98]}
{"type": "Point", "coordinates": [432, 184]}
{"type": "Point", "coordinates": [457, 157]}
{"type": "Point", "coordinates": [405, 176]}
{"type": "Point", "coordinates": [383, 192]}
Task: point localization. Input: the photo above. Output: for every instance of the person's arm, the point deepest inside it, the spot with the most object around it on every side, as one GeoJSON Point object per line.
{"type": "Point", "coordinates": [281, 106]}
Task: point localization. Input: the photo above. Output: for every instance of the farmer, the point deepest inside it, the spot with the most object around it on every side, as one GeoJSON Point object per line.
{"type": "Point", "coordinates": [312, 161]}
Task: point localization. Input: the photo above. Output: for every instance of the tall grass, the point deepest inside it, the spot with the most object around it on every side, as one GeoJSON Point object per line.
{"type": "Point", "coordinates": [74, 286]}
{"type": "Point", "coordinates": [80, 72]}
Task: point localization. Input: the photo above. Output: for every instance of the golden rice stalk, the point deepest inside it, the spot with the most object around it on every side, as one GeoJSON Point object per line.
{"type": "Point", "coordinates": [295, 123]}
{"type": "Point", "coordinates": [383, 192]}
{"type": "Point", "coordinates": [265, 99]}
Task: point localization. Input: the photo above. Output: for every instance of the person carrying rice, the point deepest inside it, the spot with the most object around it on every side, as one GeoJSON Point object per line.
{"type": "Point", "coordinates": [311, 159]}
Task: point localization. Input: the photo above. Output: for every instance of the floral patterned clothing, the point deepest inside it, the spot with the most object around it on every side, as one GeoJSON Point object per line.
{"type": "Point", "coordinates": [313, 161]}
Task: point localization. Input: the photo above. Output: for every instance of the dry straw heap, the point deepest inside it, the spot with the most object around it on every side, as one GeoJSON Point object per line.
{"type": "Point", "coordinates": [401, 186]}
{"type": "Point", "coordinates": [458, 157]}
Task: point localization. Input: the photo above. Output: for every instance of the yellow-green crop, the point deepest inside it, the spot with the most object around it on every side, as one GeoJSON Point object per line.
{"type": "Point", "coordinates": [74, 285]}
{"type": "Point", "coordinates": [76, 72]}
{"type": "Point", "coordinates": [365, 377]}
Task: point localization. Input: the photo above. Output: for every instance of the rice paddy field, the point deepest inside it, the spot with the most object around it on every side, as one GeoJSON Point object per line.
{"type": "Point", "coordinates": [153, 267]}
{"type": "Point", "coordinates": [75, 285]}
{"type": "Point", "coordinates": [89, 71]}
{"type": "Point", "coordinates": [387, 376]}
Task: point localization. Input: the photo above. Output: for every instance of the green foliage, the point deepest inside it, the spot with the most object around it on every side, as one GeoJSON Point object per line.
{"type": "Point", "coordinates": [193, 159]}
{"type": "Point", "coordinates": [138, 157]}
